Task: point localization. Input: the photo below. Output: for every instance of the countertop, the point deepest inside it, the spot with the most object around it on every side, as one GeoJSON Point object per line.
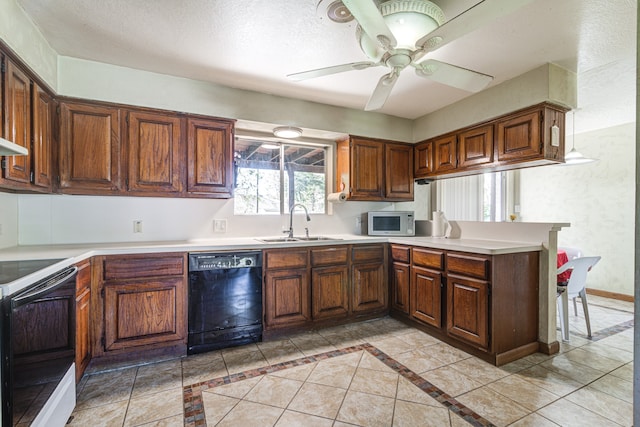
{"type": "Point", "coordinates": [72, 254]}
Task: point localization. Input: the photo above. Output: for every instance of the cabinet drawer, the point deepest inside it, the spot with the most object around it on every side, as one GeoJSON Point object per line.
{"type": "Point", "coordinates": [469, 265]}
{"type": "Point", "coordinates": [136, 267]}
{"type": "Point", "coordinates": [328, 256]}
{"type": "Point", "coordinates": [400, 253]}
{"type": "Point", "coordinates": [367, 253]}
{"type": "Point", "coordinates": [428, 258]}
{"type": "Point", "coordinates": [289, 258]}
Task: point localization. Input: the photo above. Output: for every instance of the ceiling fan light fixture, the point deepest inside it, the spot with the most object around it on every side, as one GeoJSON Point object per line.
{"type": "Point", "coordinates": [288, 132]}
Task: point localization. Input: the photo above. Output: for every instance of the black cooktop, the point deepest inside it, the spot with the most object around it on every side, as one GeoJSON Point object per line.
{"type": "Point", "coordinates": [14, 270]}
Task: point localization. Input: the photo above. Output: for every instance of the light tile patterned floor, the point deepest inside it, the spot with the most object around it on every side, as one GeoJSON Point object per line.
{"type": "Point", "coordinates": [376, 373]}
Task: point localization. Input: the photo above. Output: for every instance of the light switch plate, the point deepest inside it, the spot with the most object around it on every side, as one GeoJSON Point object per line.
{"type": "Point", "coordinates": [219, 225]}
{"type": "Point", "coordinates": [137, 226]}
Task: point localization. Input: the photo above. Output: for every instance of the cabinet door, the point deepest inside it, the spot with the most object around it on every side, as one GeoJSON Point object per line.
{"type": "Point", "coordinates": [139, 313]}
{"type": "Point", "coordinates": [423, 156]}
{"type": "Point", "coordinates": [444, 154]}
{"type": "Point", "coordinates": [368, 287]}
{"type": "Point", "coordinates": [426, 296]}
{"type": "Point", "coordinates": [398, 171]}
{"type": "Point", "coordinates": [400, 286]}
{"type": "Point", "coordinates": [43, 110]}
{"type": "Point", "coordinates": [17, 122]}
{"type": "Point", "coordinates": [210, 157]}
{"type": "Point", "coordinates": [468, 310]}
{"type": "Point", "coordinates": [89, 149]}
{"type": "Point", "coordinates": [519, 137]}
{"type": "Point", "coordinates": [286, 297]}
{"type": "Point", "coordinates": [83, 316]}
{"type": "Point", "coordinates": [329, 286]}
{"type": "Point", "coordinates": [475, 146]}
{"type": "Point", "coordinates": [366, 165]}
{"type": "Point", "coordinates": [155, 153]}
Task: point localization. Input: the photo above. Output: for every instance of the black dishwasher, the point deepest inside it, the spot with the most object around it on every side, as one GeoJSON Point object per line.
{"type": "Point", "coordinates": [225, 300]}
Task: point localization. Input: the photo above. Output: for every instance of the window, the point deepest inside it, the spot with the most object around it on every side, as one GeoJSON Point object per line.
{"type": "Point", "coordinates": [270, 178]}
{"type": "Point", "coordinates": [473, 198]}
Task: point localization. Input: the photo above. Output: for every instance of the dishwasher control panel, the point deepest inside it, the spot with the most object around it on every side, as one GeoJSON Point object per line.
{"type": "Point", "coordinates": [223, 260]}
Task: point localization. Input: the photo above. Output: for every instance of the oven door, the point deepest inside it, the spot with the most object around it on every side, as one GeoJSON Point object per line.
{"type": "Point", "coordinates": [38, 348]}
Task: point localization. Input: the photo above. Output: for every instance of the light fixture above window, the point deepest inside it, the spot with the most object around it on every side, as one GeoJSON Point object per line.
{"type": "Point", "coordinates": [270, 146]}
{"type": "Point", "coordinates": [574, 157]}
{"type": "Point", "coordinates": [287, 132]}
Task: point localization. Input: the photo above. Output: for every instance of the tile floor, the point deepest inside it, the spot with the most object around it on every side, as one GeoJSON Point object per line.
{"type": "Point", "coordinates": [376, 373]}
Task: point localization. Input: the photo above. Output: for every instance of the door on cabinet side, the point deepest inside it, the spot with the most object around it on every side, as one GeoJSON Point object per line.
{"type": "Point", "coordinates": [423, 156]}
{"type": "Point", "coordinates": [444, 154]}
{"type": "Point", "coordinates": [398, 171]}
{"type": "Point", "coordinates": [43, 110]}
{"type": "Point", "coordinates": [155, 153]}
{"type": "Point", "coordinates": [368, 290]}
{"type": "Point", "coordinates": [400, 288]}
{"type": "Point", "coordinates": [426, 296]}
{"type": "Point", "coordinates": [89, 148]}
{"type": "Point", "coordinates": [210, 157]}
{"type": "Point", "coordinates": [329, 287]}
{"type": "Point", "coordinates": [286, 297]}
{"type": "Point", "coordinates": [519, 137]}
{"type": "Point", "coordinates": [468, 310]}
{"type": "Point", "coordinates": [366, 170]}
{"type": "Point", "coordinates": [138, 313]}
{"type": "Point", "coordinates": [475, 146]}
{"type": "Point", "coordinates": [17, 122]}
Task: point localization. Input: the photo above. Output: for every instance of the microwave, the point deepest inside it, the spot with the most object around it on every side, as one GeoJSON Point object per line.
{"type": "Point", "coordinates": [388, 223]}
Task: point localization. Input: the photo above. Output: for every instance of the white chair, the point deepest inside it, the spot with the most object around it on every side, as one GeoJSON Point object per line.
{"type": "Point", "coordinates": [576, 286]}
{"type": "Point", "coordinates": [573, 253]}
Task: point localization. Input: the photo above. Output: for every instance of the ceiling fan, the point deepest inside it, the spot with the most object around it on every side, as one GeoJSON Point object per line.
{"type": "Point", "coordinates": [399, 33]}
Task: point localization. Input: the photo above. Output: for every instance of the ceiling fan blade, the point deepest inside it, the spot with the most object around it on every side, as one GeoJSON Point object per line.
{"type": "Point", "coordinates": [371, 21]}
{"type": "Point", "coordinates": [473, 18]}
{"type": "Point", "coordinates": [382, 91]}
{"type": "Point", "coordinates": [331, 70]}
{"type": "Point", "coordinates": [452, 75]}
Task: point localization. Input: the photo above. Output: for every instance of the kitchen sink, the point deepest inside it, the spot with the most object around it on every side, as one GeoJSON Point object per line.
{"type": "Point", "coordinates": [296, 239]}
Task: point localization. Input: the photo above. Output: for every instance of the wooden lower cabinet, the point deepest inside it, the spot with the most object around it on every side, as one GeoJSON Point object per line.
{"type": "Point", "coordinates": [426, 296]}
{"type": "Point", "coordinates": [400, 279]}
{"type": "Point", "coordinates": [83, 318]}
{"type": "Point", "coordinates": [329, 287]}
{"type": "Point", "coordinates": [286, 297]}
{"type": "Point", "coordinates": [368, 292]}
{"type": "Point", "coordinates": [468, 310]}
{"type": "Point", "coordinates": [140, 303]}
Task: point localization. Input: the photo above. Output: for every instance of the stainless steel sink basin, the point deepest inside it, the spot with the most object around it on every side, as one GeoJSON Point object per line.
{"type": "Point", "coordinates": [296, 239]}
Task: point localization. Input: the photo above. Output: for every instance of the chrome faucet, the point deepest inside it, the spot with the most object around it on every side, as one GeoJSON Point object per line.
{"type": "Point", "coordinates": [290, 231]}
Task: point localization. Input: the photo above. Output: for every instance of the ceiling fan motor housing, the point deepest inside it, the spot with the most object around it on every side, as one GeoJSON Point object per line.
{"type": "Point", "coordinates": [408, 20]}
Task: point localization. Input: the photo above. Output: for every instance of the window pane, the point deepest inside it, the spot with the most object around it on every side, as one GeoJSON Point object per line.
{"type": "Point", "coordinates": [304, 177]}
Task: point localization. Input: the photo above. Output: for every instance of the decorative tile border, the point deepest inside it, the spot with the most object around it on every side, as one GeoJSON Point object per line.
{"type": "Point", "coordinates": [606, 332]}
{"type": "Point", "coordinates": [194, 408]}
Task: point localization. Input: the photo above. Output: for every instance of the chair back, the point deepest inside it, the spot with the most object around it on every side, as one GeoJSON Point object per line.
{"type": "Point", "coordinates": [572, 253]}
{"type": "Point", "coordinates": [579, 268]}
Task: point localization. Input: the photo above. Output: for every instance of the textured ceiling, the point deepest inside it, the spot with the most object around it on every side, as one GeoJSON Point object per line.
{"type": "Point", "coordinates": [254, 44]}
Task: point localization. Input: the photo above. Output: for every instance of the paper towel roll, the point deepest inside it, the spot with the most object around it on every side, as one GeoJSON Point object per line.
{"type": "Point", "coordinates": [337, 197]}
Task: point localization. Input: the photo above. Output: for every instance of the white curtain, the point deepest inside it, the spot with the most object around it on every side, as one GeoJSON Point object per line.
{"type": "Point", "coordinates": [461, 198]}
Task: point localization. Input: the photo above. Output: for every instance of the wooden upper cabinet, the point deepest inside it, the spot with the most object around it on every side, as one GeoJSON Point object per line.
{"type": "Point", "coordinates": [43, 129]}
{"type": "Point", "coordinates": [398, 171]}
{"type": "Point", "coordinates": [155, 152]}
{"type": "Point", "coordinates": [367, 157]}
{"type": "Point", "coordinates": [519, 137]}
{"type": "Point", "coordinates": [17, 122]}
{"type": "Point", "coordinates": [444, 154]}
{"type": "Point", "coordinates": [89, 148]}
{"type": "Point", "coordinates": [210, 157]}
{"type": "Point", "coordinates": [423, 157]}
{"type": "Point", "coordinates": [475, 146]}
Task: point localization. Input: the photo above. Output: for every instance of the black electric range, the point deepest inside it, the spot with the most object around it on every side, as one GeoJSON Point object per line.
{"type": "Point", "coordinates": [14, 270]}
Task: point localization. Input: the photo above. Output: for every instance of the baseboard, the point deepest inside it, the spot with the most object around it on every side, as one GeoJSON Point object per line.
{"type": "Point", "coordinates": [612, 295]}
{"type": "Point", "coordinates": [550, 348]}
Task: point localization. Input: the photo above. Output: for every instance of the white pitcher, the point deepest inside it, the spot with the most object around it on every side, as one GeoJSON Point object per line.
{"type": "Point", "coordinates": [440, 227]}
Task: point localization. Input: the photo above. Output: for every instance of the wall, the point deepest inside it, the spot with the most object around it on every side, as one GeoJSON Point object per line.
{"type": "Point", "coordinates": [596, 198]}
{"type": "Point", "coordinates": [8, 220]}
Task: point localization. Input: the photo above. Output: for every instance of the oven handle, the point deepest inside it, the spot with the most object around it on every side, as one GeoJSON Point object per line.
{"type": "Point", "coordinates": [46, 286]}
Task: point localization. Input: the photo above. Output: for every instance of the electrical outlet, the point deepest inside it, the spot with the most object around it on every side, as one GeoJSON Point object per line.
{"type": "Point", "coordinates": [219, 225]}
{"type": "Point", "coordinates": [137, 226]}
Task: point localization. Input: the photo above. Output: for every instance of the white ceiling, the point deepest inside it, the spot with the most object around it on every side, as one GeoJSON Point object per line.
{"type": "Point", "coordinates": [254, 44]}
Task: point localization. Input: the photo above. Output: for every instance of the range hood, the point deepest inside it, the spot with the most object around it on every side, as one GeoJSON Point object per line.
{"type": "Point", "coordinates": [8, 148]}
